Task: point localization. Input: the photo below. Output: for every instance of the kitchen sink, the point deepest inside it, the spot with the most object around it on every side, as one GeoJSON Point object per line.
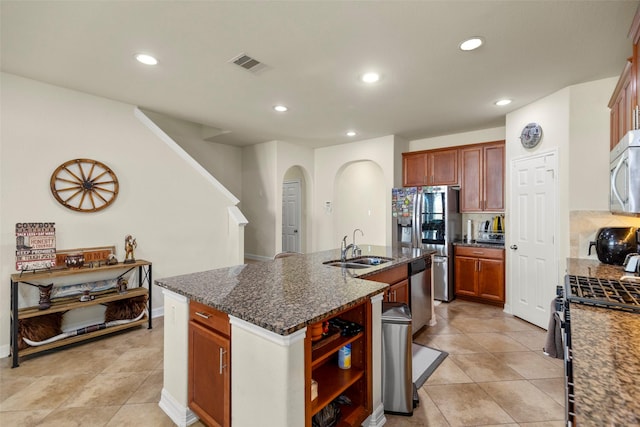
{"type": "Point", "coordinates": [368, 260]}
{"type": "Point", "coordinates": [361, 262]}
{"type": "Point", "coordinates": [346, 264]}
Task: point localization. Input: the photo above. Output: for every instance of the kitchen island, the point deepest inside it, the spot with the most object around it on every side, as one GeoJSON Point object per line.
{"type": "Point", "coordinates": [269, 307]}
{"type": "Point", "coordinates": [605, 356]}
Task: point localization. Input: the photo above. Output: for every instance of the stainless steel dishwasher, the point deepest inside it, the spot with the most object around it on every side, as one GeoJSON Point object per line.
{"type": "Point", "coordinates": [421, 298]}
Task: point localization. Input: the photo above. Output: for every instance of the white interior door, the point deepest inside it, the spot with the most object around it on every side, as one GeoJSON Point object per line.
{"type": "Point", "coordinates": [533, 237]}
{"type": "Point", "coordinates": [291, 216]}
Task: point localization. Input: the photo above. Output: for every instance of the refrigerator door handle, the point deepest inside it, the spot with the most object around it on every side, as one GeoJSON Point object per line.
{"type": "Point", "coordinates": [417, 226]}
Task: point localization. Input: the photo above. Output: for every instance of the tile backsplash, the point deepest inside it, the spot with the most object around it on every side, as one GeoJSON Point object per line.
{"type": "Point", "coordinates": [585, 224]}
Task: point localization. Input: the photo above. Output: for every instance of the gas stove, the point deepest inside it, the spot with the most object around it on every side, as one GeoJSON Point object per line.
{"type": "Point", "coordinates": [613, 294]}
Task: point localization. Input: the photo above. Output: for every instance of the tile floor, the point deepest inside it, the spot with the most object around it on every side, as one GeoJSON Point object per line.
{"type": "Point", "coordinates": [495, 374]}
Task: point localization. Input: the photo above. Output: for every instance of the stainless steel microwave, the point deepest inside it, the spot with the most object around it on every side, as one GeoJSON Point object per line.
{"type": "Point", "coordinates": [624, 168]}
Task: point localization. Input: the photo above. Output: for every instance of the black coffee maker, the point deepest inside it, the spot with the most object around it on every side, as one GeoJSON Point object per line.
{"type": "Point", "coordinates": [613, 244]}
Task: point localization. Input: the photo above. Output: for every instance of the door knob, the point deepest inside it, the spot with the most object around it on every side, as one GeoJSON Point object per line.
{"type": "Point", "coordinates": [514, 247]}
{"type": "Point", "coordinates": [295, 231]}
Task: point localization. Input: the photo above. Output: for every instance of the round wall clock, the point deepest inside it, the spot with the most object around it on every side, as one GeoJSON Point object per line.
{"type": "Point", "coordinates": [531, 135]}
{"type": "Point", "coordinates": [84, 185]}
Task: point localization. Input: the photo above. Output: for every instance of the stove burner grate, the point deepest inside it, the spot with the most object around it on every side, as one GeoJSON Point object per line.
{"type": "Point", "coordinates": [604, 293]}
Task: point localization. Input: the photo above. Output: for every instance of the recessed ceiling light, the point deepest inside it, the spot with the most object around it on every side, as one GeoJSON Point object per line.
{"type": "Point", "coordinates": [146, 59]}
{"type": "Point", "coordinates": [471, 44]}
{"type": "Point", "coordinates": [351, 133]}
{"type": "Point", "coordinates": [280, 108]}
{"type": "Point", "coordinates": [503, 102]}
{"type": "Point", "coordinates": [370, 77]}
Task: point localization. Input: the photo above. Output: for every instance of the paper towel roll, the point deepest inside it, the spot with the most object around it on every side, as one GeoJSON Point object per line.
{"type": "Point", "coordinates": [469, 231]}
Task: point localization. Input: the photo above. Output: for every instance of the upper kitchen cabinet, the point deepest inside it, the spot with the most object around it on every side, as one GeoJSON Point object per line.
{"type": "Point", "coordinates": [431, 167]}
{"type": "Point", "coordinates": [625, 99]}
{"type": "Point", "coordinates": [482, 177]}
{"type": "Point", "coordinates": [622, 106]}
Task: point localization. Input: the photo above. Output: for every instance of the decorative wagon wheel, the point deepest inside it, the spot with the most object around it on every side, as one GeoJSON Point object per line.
{"type": "Point", "coordinates": [84, 185]}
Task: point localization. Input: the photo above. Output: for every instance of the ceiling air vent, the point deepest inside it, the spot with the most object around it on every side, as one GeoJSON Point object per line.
{"type": "Point", "coordinates": [248, 63]}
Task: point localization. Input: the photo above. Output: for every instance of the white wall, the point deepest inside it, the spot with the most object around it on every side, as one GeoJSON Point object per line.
{"type": "Point", "coordinates": [260, 203]}
{"type": "Point", "coordinates": [175, 213]}
{"type": "Point", "coordinates": [464, 138]}
{"type": "Point", "coordinates": [329, 163]}
{"type": "Point", "coordinates": [222, 161]}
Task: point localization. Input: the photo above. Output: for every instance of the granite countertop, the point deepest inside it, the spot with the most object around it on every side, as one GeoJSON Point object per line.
{"type": "Point", "coordinates": [606, 355]}
{"type": "Point", "coordinates": [594, 268]}
{"type": "Point", "coordinates": [475, 244]}
{"type": "Point", "coordinates": [286, 294]}
{"type": "Point", "coordinates": [606, 366]}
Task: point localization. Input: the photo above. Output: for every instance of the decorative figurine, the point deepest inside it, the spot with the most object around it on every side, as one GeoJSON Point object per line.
{"type": "Point", "coordinates": [45, 296]}
{"type": "Point", "coordinates": [129, 245]}
{"type": "Point", "coordinates": [122, 285]}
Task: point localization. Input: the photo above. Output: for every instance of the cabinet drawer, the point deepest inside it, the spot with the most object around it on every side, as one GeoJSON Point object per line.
{"type": "Point", "coordinates": [391, 276]}
{"type": "Point", "coordinates": [209, 317]}
{"type": "Point", "coordinates": [479, 252]}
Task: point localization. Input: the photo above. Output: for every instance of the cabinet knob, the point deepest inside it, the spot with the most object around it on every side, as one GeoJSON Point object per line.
{"type": "Point", "coordinates": [514, 247]}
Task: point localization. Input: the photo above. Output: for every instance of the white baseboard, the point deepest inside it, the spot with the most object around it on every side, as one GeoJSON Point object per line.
{"type": "Point", "coordinates": [157, 312]}
{"type": "Point", "coordinates": [181, 415]}
{"type": "Point", "coordinates": [377, 418]}
{"type": "Point", "coordinates": [258, 257]}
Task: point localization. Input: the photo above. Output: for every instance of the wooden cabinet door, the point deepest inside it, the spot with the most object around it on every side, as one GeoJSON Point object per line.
{"type": "Point", "coordinates": [209, 376]}
{"type": "Point", "coordinates": [399, 292]}
{"type": "Point", "coordinates": [465, 276]}
{"type": "Point", "coordinates": [493, 174]}
{"type": "Point", "coordinates": [482, 178]}
{"type": "Point", "coordinates": [491, 279]}
{"type": "Point", "coordinates": [470, 179]}
{"type": "Point", "coordinates": [414, 169]}
{"type": "Point", "coordinates": [622, 104]}
{"type": "Point", "coordinates": [442, 167]}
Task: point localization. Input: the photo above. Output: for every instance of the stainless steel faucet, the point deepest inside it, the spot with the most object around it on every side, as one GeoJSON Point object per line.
{"type": "Point", "coordinates": [344, 248]}
{"type": "Point", "coordinates": [355, 250]}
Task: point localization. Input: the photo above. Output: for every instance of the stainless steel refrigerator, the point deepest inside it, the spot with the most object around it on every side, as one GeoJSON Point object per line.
{"type": "Point", "coordinates": [429, 218]}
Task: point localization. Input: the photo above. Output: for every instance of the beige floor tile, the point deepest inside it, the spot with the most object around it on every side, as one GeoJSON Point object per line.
{"type": "Point", "coordinates": [467, 405]}
{"type": "Point", "coordinates": [448, 373]}
{"type": "Point", "coordinates": [471, 324]}
{"type": "Point", "coordinates": [481, 367]}
{"type": "Point", "coordinates": [136, 360]}
{"type": "Point", "coordinates": [554, 387]}
{"type": "Point", "coordinates": [10, 386]}
{"type": "Point", "coordinates": [22, 418]}
{"type": "Point", "coordinates": [441, 327]}
{"type": "Point", "coordinates": [497, 343]}
{"type": "Point", "coordinates": [531, 365]}
{"type": "Point", "coordinates": [140, 415]}
{"type": "Point", "coordinates": [454, 344]}
{"type": "Point", "coordinates": [523, 401]}
{"type": "Point", "coordinates": [45, 392]}
{"type": "Point", "coordinates": [544, 424]}
{"type": "Point", "coordinates": [96, 416]}
{"type": "Point", "coordinates": [150, 390]}
{"type": "Point", "coordinates": [533, 340]}
{"type": "Point", "coordinates": [426, 414]}
{"type": "Point", "coordinates": [107, 390]}
{"type": "Point", "coordinates": [512, 324]}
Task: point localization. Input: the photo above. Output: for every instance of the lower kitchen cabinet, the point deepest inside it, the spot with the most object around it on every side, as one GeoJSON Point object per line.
{"type": "Point", "coordinates": [479, 274]}
{"type": "Point", "coordinates": [209, 393]}
{"type": "Point", "coordinates": [397, 277]}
